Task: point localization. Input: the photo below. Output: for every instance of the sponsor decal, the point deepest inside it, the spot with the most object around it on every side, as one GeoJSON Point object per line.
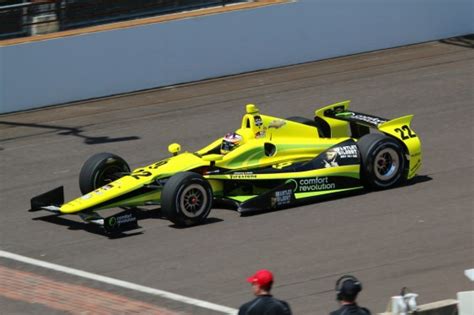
{"type": "Point", "coordinates": [86, 197]}
{"type": "Point", "coordinates": [277, 123]}
{"type": "Point", "coordinates": [347, 151]}
{"type": "Point", "coordinates": [314, 184]}
{"type": "Point", "coordinates": [117, 221]}
{"type": "Point", "coordinates": [370, 119]}
{"type": "Point", "coordinates": [107, 187]}
{"type": "Point", "coordinates": [342, 152]}
{"type": "Point", "coordinates": [260, 134]}
{"type": "Point", "coordinates": [243, 175]}
{"type": "Point", "coordinates": [126, 218]}
{"type": "Point", "coordinates": [112, 222]}
{"type": "Point", "coordinates": [330, 161]}
{"type": "Point", "coordinates": [281, 198]}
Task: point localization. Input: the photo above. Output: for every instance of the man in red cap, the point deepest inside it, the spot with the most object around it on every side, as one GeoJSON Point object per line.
{"type": "Point", "coordinates": [264, 303]}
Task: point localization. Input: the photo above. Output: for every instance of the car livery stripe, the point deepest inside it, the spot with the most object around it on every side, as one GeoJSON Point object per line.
{"type": "Point", "coordinates": [347, 170]}
{"type": "Point", "coordinates": [246, 157]}
{"type": "Point", "coordinates": [304, 146]}
{"type": "Point", "coordinates": [241, 198]}
{"type": "Point", "coordinates": [120, 199]}
{"type": "Point", "coordinates": [154, 196]}
{"type": "Point", "coordinates": [303, 195]}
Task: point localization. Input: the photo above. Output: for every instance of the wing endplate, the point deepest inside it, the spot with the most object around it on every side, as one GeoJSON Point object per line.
{"type": "Point", "coordinates": [338, 127]}
{"type": "Point", "coordinates": [400, 128]}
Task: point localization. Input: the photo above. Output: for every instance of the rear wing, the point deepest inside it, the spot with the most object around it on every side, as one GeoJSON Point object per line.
{"type": "Point", "coordinates": [339, 121]}
{"type": "Point", "coordinates": [336, 119]}
{"type": "Point", "coordinates": [357, 118]}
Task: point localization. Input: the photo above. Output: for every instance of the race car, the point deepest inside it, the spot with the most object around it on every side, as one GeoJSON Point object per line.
{"type": "Point", "coordinates": [268, 163]}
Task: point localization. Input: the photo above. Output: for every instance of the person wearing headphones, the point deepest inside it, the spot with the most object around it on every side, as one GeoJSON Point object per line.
{"type": "Point", "coordinates": [347, 289]}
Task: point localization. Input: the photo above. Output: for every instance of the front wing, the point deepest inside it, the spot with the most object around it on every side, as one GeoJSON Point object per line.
{"type": "Point", "coordinates": [52, 200]}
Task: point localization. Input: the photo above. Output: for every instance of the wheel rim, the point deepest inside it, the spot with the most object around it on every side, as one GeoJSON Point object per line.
{"type": "Point", "coordinates": [386, 165]}
{"type": "Point", "coordinates": [193, 200]}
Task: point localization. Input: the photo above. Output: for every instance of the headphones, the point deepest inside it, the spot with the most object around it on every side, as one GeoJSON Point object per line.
{"type": "Point", "coordinates": [340, 291]}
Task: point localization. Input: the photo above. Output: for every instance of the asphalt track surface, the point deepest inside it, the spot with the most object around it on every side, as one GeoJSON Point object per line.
{"type": "Point", "coordinates": [419, 236]}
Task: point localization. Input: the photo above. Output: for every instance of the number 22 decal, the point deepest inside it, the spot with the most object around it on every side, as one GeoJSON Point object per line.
{"type": "Point", "coordinates": [405, 132]}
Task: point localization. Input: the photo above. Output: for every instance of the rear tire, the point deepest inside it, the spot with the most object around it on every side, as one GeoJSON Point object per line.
{"type": "Point", "coordinates": [186, 199]}
{"type": "Point", "coordinates": [101, 169]}
{"type": "Point", "coordinates": [382, 161]}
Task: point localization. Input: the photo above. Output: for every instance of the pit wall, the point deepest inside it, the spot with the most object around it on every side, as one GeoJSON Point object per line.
{"type": "Point", "coordinates": [67, 69]}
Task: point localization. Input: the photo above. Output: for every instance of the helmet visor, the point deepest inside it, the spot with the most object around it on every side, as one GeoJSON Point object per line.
{"type": "Point", "coordinates": [230, 142]}
{"type": "Point", "coordinates": [227, 146]}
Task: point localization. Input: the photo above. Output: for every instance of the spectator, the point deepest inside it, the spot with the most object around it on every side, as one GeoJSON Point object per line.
{"type": "Point", "coordinates": [347, 289]}
{"type": "Point", "coordinates": [264, 303]}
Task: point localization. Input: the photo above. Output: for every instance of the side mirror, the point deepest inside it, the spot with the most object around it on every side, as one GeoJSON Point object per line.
{"type": "Point", "coordinates": [174, 148]}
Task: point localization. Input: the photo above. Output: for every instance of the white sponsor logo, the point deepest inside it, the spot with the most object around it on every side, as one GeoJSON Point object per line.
{"type": "Point", "coordinates": [348, 151]}
{"type": "Point", "coordinates": [277, 123]}
{"type": "Point", "coordinates": [369, 119]}
{"type": "Point", "coordinates": [315, 184]}
{"type": "Point", "coordinates": [125, 219]}
{"type": "Point", "coordinates": [283, 197]}
{"type": "Point", "coordinates": [85, 197]}
{"type": "Point", "coordinates": [243, 175]}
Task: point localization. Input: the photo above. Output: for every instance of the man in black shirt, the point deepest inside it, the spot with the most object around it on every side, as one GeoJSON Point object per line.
{"type": "Point", "coordinates": [347, 289]}
{"type": "Point", "coordinates": [264, 303]}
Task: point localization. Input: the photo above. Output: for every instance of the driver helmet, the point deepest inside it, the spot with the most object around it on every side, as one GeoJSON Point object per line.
{"type": "Point", "coordinates": [230, 142]}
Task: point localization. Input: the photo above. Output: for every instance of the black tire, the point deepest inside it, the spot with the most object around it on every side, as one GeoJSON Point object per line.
{"type": "Point", "coordinates": [186, 199]}
{"type": "Point", "coordinates": [100, 169]}
{"type": "Point", "coordinates": [308, 122]}
{"type": "Point", "coordinates": [382, 161]}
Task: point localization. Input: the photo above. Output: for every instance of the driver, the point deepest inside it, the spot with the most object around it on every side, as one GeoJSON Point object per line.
{"type": "Point", "coordinates": [231, 141]}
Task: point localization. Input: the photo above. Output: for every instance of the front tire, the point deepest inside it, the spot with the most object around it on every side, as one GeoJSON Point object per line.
{"type": "Point", "coordinates": [382, 161]}
{"type": "Point", "coordinates": [186, 199]}
{"type": "Point", "coordinates": [101, 169]}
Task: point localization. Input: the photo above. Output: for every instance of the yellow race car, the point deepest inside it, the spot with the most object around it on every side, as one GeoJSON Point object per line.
{"type": "Point", "coordinates": [268, 163]}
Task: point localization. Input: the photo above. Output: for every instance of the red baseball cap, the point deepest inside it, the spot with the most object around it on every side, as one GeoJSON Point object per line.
{"type": "Point", "coordinates": [261, 277]}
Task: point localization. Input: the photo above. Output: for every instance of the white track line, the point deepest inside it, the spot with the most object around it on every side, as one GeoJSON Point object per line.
{"type": "Point", "coordinates": [119, 283]}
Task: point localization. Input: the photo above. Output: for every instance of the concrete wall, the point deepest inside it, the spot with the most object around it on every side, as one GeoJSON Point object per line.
{"type": "Point", "coordinates": [100, 64]}
{"type": "Point", "coordinates": [2, 83]}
